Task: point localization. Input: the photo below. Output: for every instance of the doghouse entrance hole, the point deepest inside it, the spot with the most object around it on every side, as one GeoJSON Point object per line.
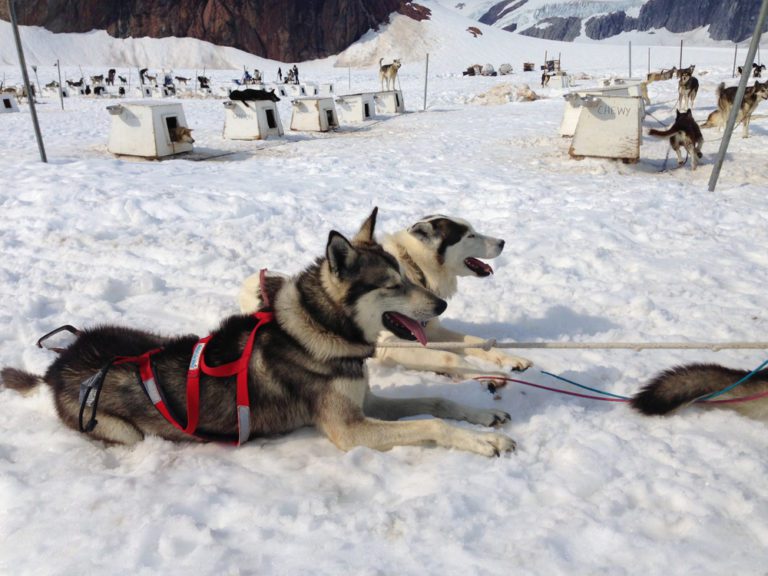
{"type": "Point", "coordinates": [171, 123]}
{"type": "Point", "coordinates": [367, 110]}
{"type": "Point", "coordinates": [397, 99]}
{"type": "Point", "coordinates": [271, 122]}
{"type": "Point", "coordinates": [7, 103]}
{"type": "Point", "coordinates": [329, 118]}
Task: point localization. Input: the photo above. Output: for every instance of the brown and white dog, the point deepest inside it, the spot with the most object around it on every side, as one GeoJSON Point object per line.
{"type": "Point", "coordinates": [433, 253]}
{"type": "Point", "coordinates": [725, 98]}
{"type": "Point", "coordinates": [388, 73]}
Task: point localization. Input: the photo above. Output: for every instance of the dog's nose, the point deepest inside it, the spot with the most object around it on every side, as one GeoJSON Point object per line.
{"type": "Point", "coordinates": [501, 244]}
{"type": "Point", "coordinates": [440, 306]}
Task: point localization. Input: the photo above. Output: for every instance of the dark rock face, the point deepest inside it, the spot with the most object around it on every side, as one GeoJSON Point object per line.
{"type": "Point", "coordinates": [602, 27]}
{"type": "Point", "coordinates": [556, 28]}
{"type": "Point", "coordinates": [285, 30]}
{"type": "Point", "coordinates": [499, 10]}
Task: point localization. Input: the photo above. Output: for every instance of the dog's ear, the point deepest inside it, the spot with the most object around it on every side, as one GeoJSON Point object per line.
{"type": "Point", "coordinates": [340, 253]}
{"type": "Point", "coordinates": [365, 234]}
{"type": "Point", "coordinates": [424, 231]}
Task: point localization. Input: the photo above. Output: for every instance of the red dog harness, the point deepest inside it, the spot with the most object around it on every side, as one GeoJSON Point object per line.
{"type": "Point", "coordinates": [197, 365]}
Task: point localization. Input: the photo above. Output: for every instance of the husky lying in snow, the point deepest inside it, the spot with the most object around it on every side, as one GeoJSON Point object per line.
{"type": "Point", "coordinates": [307, 366]}
{"type": "Point", "coordinates": [682, 385]}
{"type": "Point", "coordinates": [433, 253]}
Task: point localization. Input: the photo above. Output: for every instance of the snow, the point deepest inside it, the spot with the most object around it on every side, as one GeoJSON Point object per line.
{"type": "Point", "coordinates": [596, 251]}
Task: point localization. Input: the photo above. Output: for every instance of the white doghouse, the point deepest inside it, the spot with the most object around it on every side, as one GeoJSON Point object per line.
{"type": "Point", "coordinates": [604, 126]}
{"type": "Point", "coordinates": [314, 114]}
{"type": "Point", "coordinates": [257, 121]}
{"type": "Point", "coordinates": [144, 129]}
{"type": "Point", "coordinates": [389, 102]}
{"type": "Point", "coordinates": [352, 108]}
{"type": "Point", "coordinates": [8, 104]}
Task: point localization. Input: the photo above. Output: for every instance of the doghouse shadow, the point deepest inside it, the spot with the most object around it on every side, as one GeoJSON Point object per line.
{"type": "Point", "coordinates": [558, 322]}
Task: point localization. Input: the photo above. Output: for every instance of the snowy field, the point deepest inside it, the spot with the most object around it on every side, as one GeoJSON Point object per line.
{"type": "Point", "coordinates": [596, 251]}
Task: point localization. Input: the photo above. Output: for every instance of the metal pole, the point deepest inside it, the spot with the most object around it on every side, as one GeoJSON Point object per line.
{"type": "Point", "coordinates": [61, 90]}
{"type": "Point", "coordinates": [739, 96]}
{"type": "Point", "coordinates": [630, 60]}
{"type": "Point", "coordinates": [649, 59]}
{"type": "Point", "coordinates": [735, 51]}
{"type": "Point", "coordinates": [680, 65]}
{"type": "Point", "coordinates": [25, 75]}
{"type": "Point", "coordinates": [426, 76]}
{"type": "Point", "coordinates": [349, 78]}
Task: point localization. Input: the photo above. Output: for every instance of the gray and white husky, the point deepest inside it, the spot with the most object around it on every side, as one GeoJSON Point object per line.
{"type": "Point", "coordinates": [307, 366]}
{"type": "Point", "coordinates": [679, 386]}
{"type": "Point", "coordinates": [433, 253]}
{"type": "Point", "coordinates": [725, 98]}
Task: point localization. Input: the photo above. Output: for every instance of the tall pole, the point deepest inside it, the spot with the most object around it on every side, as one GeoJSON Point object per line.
{"type": "Point", "coordinates": [739, 96]}
{"type": "Point", "coordinates": [61, 89]}
{"type": "Point", "coordinates": [25, 75]}
{"type": "Point", "coordinates": [649, 59]}
{"type": "Point", "coordinates": [735, 51]}
{"type": "Point", "coordinates": [630, 59]}
{"type": "Point", "coordinates": [426, 76]}
{"type": "Point", "coordinates": [680, 65]}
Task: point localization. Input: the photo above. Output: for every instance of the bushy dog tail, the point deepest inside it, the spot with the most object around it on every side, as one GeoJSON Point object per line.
{"type": "Point", "coordinates": [654, 132]}
{"type": "Point", "coordinates": [681, 385]}
{"type": "Point", "coordinates": [19, 380]}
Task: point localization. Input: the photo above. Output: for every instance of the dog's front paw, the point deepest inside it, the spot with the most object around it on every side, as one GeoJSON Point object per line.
{"type": "Point", "coordinates": [510, 362]}
{"type": "Point", "coordinates": [492, 444]}
{"type": "Point", "coordinates": [491, 418]}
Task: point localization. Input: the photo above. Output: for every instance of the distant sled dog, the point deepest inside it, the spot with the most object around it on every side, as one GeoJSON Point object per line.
{"type": "Point", "coordinates": [725, 99]}
{"type": "Point", "coordinates": [306, 367]}
{"type": "Point", "coordinates": [678, 387]}
{"type": "Point", "coordinates": [433, 253]}
{"type": "Point", "coordinates": [684, 133]}
{"type": "Point", "coordinates": [388, 73]}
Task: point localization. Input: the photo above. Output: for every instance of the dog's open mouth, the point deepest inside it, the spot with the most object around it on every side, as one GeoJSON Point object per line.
{"type": "Point", "coordinates": [404, 327]}
{"type": "Point", "coordinates": [478, 267]}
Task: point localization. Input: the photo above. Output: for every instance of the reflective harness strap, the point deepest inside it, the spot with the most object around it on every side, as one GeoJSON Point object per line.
{"type": "Point", "coordinates": [197, 365]}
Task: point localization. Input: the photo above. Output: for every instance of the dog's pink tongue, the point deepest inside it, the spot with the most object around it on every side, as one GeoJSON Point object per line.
{"type": "Point", "coordinates": [479, 265]}
{"type": "Point", "coordinates": [413, 327]}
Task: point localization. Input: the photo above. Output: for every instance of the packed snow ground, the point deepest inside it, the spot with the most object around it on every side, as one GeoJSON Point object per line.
{"type": "Point", "coordinates": [596, 251]}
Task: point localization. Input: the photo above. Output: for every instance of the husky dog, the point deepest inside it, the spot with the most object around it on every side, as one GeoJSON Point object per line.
{"type": "Point", "coordinates": [307, 365]}
{"type": "Point", "coordinates": [687, 89]}
{"type": "Point", "coordinates": [433, 253]}
{"type": "Point", "coordinates": [725, 98]}
{"type": "Point", "coordinates": [181, 134]}
{"type": "Point", "coordinates": [664, 74]}
{"type": "Point", "coordinates": [388, 73]}
{"type": "Point", "coordinates": [684, 132]}
{"type": "Point", "coordinates": [682, 385]}
{"type": "Point", "coordinates": [181, 80]}
{"type": "Point", "coordinates": [96, 80]}
{"type": "Point", "coordinates": [757, 70]}
{"type": "Point", "coordinates": [251, 94]}
{"type": "Point", "coordinates": [679, 73]}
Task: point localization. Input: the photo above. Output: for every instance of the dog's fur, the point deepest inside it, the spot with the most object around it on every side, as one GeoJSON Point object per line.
{"type": "Point", "coordinates": [251, 94]}
{"type": "Point", "coordinates": [679, 386]}
{"type": "Point", "coordinates": [388, 73]}
{"type": "Point", "coordinates": [307, 366]}
{"type": "Point", "coordinates": [181, 134]}
{"type": "Point", "coordinates": [683, 133]}
{"type": "Point", "coordinates": [662, 75]}
{"type": "Point", "coordinates": [725, 98]}
{"type": "Point", "coordinates": [679, 73]}
{"type": "Point", "coordinates": [433, 253]}
{"type": "Point", "coordinates": [687, 89]}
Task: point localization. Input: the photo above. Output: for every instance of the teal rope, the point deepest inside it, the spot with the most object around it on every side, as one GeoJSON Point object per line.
{"type": "Point", "coordinates": [603, 392]}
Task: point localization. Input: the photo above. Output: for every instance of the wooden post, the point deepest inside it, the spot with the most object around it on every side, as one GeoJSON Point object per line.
{"type": "Point", "coordinates": [61, 89]}
{"type": "Point", "coordinates": [426, 76]}
{"type": "Point", "coordinates": [753, 45]}
{"type": "Point", "coordinates": [25, 76]}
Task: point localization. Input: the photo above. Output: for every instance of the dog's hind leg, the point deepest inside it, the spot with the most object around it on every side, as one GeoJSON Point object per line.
{"type": "Point", "coordinates": [396, 408]}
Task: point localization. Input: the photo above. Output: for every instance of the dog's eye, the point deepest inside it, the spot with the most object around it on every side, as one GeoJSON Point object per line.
{"type": "Point", "coordinates": [393, 287]}
{"type": "Point", "coordinates": [470, 235]}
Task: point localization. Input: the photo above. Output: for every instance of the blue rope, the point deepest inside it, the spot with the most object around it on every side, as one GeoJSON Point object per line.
{"type": "Point", "coordinates": [603, 392]}
{"type": "Point", "coordinates": [732, 386]}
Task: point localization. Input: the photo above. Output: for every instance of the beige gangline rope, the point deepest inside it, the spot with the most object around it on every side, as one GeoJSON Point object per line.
{"type": "Point", "coordinates": [492, 343]}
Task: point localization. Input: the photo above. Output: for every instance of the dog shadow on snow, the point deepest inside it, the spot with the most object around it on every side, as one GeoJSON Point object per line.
{"type": "Point", "coordinates": [522, 402]}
